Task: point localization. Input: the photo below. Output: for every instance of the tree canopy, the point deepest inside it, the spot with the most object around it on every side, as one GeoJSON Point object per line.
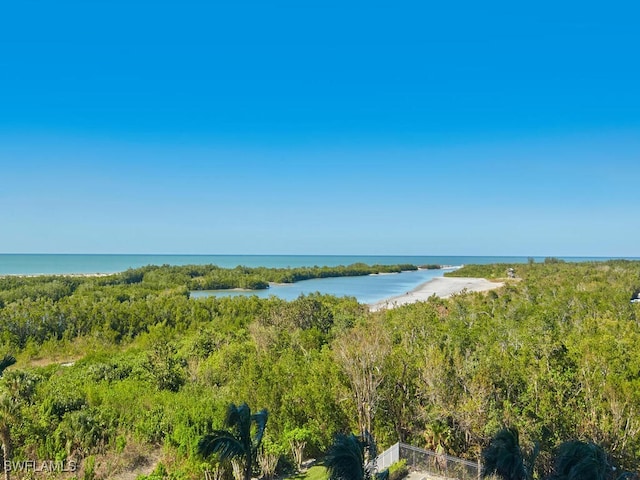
{"type": "Point", "coordinates": [109, 367]}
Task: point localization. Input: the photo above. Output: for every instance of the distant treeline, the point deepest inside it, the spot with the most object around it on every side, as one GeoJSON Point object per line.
{"type": "Point", "coordinates": [189, 277]}
{"type": "Point", "coordinates": [214, 278]}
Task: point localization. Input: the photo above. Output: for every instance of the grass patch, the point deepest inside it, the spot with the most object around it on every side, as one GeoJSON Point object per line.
{"type": "Point", "coordinates": [317, 472]}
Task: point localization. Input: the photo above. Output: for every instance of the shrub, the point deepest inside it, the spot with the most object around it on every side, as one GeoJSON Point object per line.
{"type": "Point", "coordinates": [398, 470]}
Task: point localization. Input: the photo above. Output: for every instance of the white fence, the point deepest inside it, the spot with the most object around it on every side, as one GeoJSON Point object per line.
{"type": "Point", "coordinates": [433, 463]}
{"type": "Point", "coordinates": [388, 457]}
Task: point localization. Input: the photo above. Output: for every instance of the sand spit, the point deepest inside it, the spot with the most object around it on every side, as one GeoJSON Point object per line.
{"type": "Point", "coordinates": [442, 287]}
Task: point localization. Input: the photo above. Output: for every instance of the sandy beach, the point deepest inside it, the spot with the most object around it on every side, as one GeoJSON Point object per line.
{"type": "Point", "coordinates": [441, 287]}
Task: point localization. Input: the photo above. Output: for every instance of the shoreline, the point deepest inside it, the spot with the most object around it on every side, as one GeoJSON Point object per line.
{"type": "Point", "coordinates": [443, 287]}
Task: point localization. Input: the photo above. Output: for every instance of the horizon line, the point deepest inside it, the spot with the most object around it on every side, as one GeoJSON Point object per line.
{"type": "Point", "coordinates": [321, 255]}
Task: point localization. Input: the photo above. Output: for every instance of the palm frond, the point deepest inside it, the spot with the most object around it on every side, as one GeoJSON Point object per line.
{"type": "Point", "coordinates": [240, 418]}
{"type": "Point", "coordinates": [6, 362]}
{"type": "Point", "coordinates": [532, 460]}
{"type": "Point", "coordinates": [223, 443]}
{"type": "Point", "coordinates": [236, 443]}
{"type": "Point", "coordinates": [503, 456]}
{"type": "Point", "coordinates": [345, 458]}
{"type": "Point", "coordinates": [260, 420]}
{"type": "Point", "coordinates": [232, 417]}
{"type": "Point", "coordinates": [576, 460]}
{"type": "Point", "coordinates": [383, 475]}
{"type": "Point", "coordinates": [628, 476]}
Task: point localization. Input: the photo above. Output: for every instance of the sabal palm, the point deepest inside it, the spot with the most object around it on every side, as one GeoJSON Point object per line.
{"type": "Point", "coordinates": [504, 458]}
{"type": "Point", "coordinates": [237, 442]}
{"type": "Point", "coordinates": [347, 459]}
{"type": "Point", "coordinates": [577, 460]}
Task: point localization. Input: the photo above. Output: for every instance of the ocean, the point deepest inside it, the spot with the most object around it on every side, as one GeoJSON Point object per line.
{"type": "Point", "coordinates": [57, 264]}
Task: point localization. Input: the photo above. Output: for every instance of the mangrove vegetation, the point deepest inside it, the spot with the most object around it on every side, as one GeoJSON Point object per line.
{"type": "Point", "coordinates": [126, 372]}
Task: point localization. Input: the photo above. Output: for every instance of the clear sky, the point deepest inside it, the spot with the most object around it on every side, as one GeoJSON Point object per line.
{"type": "Point", "coordinates": [320, 127]}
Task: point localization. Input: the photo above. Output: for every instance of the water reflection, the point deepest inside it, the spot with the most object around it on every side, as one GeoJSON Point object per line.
{"type": "Point", "coordinates": [366, 289]}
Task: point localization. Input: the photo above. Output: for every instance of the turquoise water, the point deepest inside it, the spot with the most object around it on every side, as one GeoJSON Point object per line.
{"type": "Point", "coordinates": [366, 289]}
{"type": "Point", "coordinates": [33, 264]}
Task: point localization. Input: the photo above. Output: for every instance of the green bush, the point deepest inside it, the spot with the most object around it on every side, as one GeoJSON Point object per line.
{"type": "Point", "coordinates": [398, 470]}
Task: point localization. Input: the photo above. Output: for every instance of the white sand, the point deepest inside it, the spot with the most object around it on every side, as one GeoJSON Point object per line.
{"type": "Point", "coordinates": [442, 287]}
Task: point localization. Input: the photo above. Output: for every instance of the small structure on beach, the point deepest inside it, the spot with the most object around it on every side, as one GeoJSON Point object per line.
{"type": "Point", "coordinates": [511, 273]}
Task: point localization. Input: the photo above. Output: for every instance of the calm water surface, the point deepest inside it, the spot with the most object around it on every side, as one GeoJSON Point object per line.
{"type": "Point", "coordinates": [366, 289]}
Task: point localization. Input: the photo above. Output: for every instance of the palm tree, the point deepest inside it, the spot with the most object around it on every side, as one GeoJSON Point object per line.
{"type": "Point", "coordinates": [237, 443]}
{"type": "Point", "coordinates": [577, 460]}
{"type": "Point", "coordinates": [346, 458]}
{"type": "Point", "coordinates": [503, 457]}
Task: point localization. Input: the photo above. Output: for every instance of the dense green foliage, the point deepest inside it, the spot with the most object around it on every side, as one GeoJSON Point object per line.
{"type": "Point", "coordinates": [42, 308]}
{"type": "Point", "coordinates": [119, 368]}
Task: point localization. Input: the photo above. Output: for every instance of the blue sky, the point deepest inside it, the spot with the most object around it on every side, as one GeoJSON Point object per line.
{"type": "Point", "coordinates": [320, 127]}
